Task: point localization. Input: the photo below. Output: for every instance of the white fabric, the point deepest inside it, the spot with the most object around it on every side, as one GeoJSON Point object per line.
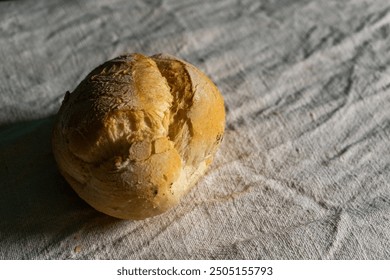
{"type": "Point", "coordinates": [303, 171]}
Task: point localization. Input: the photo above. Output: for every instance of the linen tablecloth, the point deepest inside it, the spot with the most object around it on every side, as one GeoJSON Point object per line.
{"type": "Point", "coordinates": [304, 168]}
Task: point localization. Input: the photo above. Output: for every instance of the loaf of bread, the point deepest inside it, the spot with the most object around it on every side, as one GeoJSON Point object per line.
{"type": "Point", "coordinates": [137, 133]}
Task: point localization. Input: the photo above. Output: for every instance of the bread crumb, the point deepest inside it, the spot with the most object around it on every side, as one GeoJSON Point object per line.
{"type": "Point", "coordinates": [77, 249]}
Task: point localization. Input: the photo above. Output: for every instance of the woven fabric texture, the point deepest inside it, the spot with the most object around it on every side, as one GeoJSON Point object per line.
{"type": "Point", "coordinates": [304, 168]}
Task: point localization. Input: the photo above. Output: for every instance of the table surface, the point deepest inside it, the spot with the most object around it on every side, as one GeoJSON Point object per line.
{"type": "Point", "coordinates": [303, 171]}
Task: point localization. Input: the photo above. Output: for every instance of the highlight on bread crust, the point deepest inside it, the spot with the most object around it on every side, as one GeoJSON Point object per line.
{"type": "Point", "coordinates": [137, 133]}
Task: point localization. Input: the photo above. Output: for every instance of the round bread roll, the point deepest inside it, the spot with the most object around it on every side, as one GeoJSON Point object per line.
{"type": "Point", "coordinates": [137, 134]}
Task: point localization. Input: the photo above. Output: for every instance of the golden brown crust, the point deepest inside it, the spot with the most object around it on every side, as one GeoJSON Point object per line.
{"type": "Point", "coordinates": [137, 134]}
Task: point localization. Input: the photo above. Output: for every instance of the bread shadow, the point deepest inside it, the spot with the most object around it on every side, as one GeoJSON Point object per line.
{"type": "Point", "coordinates": [35, 199]}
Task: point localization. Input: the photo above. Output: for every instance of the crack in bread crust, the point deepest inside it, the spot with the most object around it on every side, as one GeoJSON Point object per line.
{"type": "Point", "coordinates": [180, 126]}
